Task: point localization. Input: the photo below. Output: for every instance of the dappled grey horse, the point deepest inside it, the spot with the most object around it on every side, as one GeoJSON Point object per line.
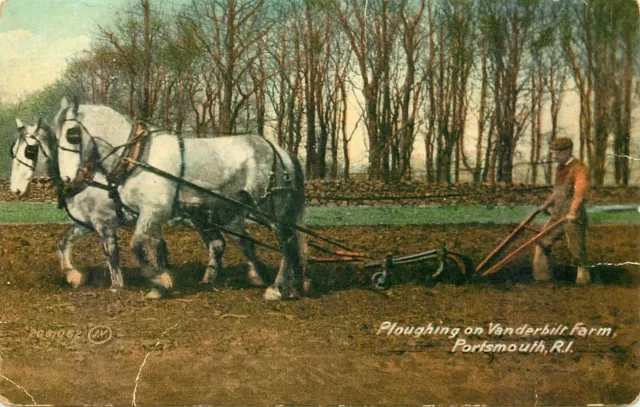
{"type": "Point", "coordinates": [34, 154]}
{"type": "Point", "coordinates": [246, 168]}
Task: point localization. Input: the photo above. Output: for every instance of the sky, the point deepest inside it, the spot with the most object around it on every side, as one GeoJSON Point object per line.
{"type": "Point", "coordinates": [38, 37]}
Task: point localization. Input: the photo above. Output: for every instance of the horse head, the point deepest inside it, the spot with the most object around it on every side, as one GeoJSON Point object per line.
{"type": "Point", "coordinates": [73, 142]}
{"type": "Point", "coordinates": [86, 136]}
{"type": "Point", "coordinates": [32, 155]}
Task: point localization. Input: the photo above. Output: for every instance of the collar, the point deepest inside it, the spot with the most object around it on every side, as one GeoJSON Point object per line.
{"type": "Point", "coordinates": [572, 159]}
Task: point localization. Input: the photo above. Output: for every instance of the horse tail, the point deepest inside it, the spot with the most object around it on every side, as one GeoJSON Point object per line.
{"type": "Point", "coordinates": [298, 198]}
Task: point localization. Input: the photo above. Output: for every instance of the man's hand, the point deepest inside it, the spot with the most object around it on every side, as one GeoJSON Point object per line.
{"type": "Point", "coordinates": [572, 217]}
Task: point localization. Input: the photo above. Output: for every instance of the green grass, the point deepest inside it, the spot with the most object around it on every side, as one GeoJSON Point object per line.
{"type": "Point", "coordinates": [19, 212]}
{"type": "Point", "coordinates": [28, 212]}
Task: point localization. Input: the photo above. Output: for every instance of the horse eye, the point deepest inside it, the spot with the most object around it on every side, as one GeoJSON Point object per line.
{"type": "Point", "coordinates": [74, 135]}
{"type": "Point", "coordinates": [31, 152]}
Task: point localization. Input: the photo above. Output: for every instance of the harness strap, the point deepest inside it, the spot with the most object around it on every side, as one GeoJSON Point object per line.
{"type": "Point", "coordinates": [277, 156]}
{"type": "Point", "coordinates": [272, 177]}
{"type": "Point", "coordinates": [176, 198]}
{"type": "Point", "coordinates": [83, 179]}
{"type": "Point", "coordinates": [117, 200]}
{"type": "Point", "coordinates": [133, 149]}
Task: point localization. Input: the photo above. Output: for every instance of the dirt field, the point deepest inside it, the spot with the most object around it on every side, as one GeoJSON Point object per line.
{"type": "Point", "coordinates": [228, 346]}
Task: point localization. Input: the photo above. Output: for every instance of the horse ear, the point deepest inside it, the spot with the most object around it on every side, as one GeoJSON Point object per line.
{"type": "Point", "coordinates": [76, 105]}
{"type": "Point", "coordinates": [19, 124]}
{"type": "Point", "coordinates": [64, 102]}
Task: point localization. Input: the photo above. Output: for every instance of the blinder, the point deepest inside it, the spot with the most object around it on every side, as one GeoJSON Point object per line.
{"type": "Point", "coordinates": [31, 152]}
{"type": "Point", "coordinates": [74, 135]}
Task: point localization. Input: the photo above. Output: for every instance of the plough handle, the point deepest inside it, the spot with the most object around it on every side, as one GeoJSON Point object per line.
{"type": "Point", "coordinates": [524, 246]}
{"type": "Point", "coordinates": [508, 239]}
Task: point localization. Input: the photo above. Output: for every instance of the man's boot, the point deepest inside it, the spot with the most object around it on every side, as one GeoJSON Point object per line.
{"type": "Point", "coordinates": [541, 264]}
{"type": "Point", "coordinates": [584, 275]}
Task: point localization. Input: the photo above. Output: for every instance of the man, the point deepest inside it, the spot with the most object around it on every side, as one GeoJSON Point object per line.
{"type": "Point", "coordinates": [566, 201]}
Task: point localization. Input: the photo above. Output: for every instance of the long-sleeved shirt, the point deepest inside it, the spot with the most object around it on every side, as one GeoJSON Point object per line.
{"type": "Point", "coordinates": [570, 189]}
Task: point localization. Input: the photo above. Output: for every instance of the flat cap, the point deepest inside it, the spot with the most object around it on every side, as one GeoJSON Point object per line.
{"type": "Point", "coordinates": [562, 143]}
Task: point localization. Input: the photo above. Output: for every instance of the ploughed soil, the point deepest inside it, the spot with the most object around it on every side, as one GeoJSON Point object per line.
{"type": "Point", "coordinates": [225, 345]}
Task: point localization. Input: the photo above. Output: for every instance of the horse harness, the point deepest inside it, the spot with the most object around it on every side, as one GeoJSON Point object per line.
{"type": "Point", "coordinates": [132, 150]}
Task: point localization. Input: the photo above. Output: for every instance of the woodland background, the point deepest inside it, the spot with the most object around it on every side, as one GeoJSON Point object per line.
{"type": "Point", "coordinates": [409, 74]}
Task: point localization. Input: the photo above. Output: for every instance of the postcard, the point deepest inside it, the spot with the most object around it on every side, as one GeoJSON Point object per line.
{"type": "Point", "coordinates": [319, 202]}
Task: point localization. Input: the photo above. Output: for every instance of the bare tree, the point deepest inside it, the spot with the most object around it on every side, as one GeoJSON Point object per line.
{"type": "Point", "coordinates": [372, 37]}
{"type": "Point", "coordinates": [228, 32]}
{"type": "Point", "coordinates": [507, 26]}
{"type": "Point", "coordinates": [593, 50]}
{"type": "Point", "coordinates": [412, 37]}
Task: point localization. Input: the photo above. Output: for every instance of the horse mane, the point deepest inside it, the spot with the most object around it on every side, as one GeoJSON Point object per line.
{"type": "Point", "coordinates": [60, 118]}
{"type": "Point", "coordinates": [51, 142]}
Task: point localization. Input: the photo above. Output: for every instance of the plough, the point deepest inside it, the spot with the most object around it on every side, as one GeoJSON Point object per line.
{"type": "Point", "coordinates": [448, 262]}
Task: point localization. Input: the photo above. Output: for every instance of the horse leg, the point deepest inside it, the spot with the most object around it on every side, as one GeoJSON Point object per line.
{"type": "Point", "coordinates": [255, 266]}
{"type": "Point", "coordinates": [109, 239]}
{"type": "Point", "coordinates": [162, 254]}
{"type": "Point", "coordinates": [216, 244]}
{"type": "Point", "coordinates": [289, 280]}
{"type": "Point", "coordinates": [69, 237]}
{"type": "Point", "coordinates": [150, 231]}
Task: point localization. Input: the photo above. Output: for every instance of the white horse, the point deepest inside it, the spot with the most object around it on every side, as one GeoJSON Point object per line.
{"type": "Point", "coordinates": [246, 168]}
{"type": "Point", "coordinates": [33, 154]}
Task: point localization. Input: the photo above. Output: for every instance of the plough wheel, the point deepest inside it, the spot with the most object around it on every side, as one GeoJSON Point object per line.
{"type": "Point", "coordinates": [381, 280]}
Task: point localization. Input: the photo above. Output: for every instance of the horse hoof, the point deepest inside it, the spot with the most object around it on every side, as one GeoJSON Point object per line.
{"type": "Point", "coordinates": [116, 286]}
{"type": "Point", "coordinates": [209, 276]}
{"type": "Point", "coordinates": [164, 280]}
{"type": "Point", "coordinates": [256, 280]}
{"type": "Point", "coordinates": [75, 278]}
{"type": "Point", "coordinates": [583, 277]}
{"type": "Point", "coordinates": [154, 294]}
{"type": "Point", "coordinates": [306, 286]}
{"type": "Point", "coordinates": [272, 294]}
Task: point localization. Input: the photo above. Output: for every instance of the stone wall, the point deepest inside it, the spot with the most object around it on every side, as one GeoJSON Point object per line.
{"type": "Point", "coordinates": [407, 193]}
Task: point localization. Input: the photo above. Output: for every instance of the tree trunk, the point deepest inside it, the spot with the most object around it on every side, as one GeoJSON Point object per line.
{"type": "Point", "coordinates": [482, 114]}
{"type": "Point", "coordinates": [345, 139]}
{"type": "Point", "coordinates": [146, 98]}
